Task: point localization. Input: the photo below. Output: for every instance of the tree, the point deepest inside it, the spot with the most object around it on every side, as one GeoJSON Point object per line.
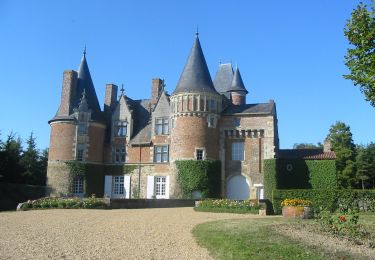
{"type": "Point", "coordinates": [365, 164]}
{"type": "Point", "coordinates": [360, 60]}
{"type": "Point", "coordinates": [342, 144]}
{"type": "Point", "coordinates": [10, 155]}
{"type": "Point", "coordinates": [30, 162]}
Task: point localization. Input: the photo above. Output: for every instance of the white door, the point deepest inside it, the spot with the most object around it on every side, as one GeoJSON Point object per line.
{"type": "Point", "coordinates": [161, 187]}
{"type": "Point", "coordinates": [118, 190]}
{"type": "Point", "coordinates": [238, 188]}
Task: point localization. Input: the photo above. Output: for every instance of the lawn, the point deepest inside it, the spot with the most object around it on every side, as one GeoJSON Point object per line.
{"type": "Point", "coordinates": [257, 239]}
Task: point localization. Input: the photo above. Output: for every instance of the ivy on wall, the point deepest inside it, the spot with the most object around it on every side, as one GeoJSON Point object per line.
{"type": "Point", "coordinates": [203, 176]}
{"type": "Point", "coordinates": [299, 174]}
{"type": "Point", "coordinates": [92, 174]}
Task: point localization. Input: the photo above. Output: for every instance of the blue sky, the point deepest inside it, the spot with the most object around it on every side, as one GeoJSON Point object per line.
{"type": "Point", "coordinates": [289, 51]}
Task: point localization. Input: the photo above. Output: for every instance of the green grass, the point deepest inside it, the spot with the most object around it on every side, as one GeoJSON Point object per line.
{"type": "Point", "coordinates": [253, 239]}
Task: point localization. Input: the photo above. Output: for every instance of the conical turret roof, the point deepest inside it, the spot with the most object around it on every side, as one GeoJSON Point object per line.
{"type": "Point", "coordinates": [85, 83]}
{"type": "Point", "coordinates": [237, 83]}
{"type": "Point", "coordinates": [195, 77]}
{"type": "Point", "coordinates": [224, 77]}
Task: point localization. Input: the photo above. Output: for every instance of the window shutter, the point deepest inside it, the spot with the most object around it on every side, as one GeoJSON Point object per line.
{"type": "Point", "coordinates": [167, 187]}
{"type": "Point", "coordinates": [127, 186]}
{"type": "Point", "coordinates": [108, 186]}
{"type": "Point", "coordinates": [150, 186]}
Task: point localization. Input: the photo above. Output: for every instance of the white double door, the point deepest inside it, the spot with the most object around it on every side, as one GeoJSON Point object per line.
{"type": "Point", "coordinates": [117, 186]}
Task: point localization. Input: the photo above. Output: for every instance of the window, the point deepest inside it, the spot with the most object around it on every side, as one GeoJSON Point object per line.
{"type": "Point", "coordinates": [122, 128]}
{"type": "Point", "coordinates": [161, 153]}
{"type": "Point", "coordinates": [120, 154]}
{"type": "Point", "coordinates": [118, 185]}
{"type": "Point", "coordinates": [160, 186]}
{"type": "Point", "coordinates": [80, 148]}
{"type": "Point", "coordinates": [199, 153]}
{"type": "Point", "coordinates": [211, 120]}
{"type": "Point", "coordinates": [212, 105]}
{"type": "Point", "coordinates": [237, 151]}
{"type": "Point", "coordinates": [81, 128]}
{"type": "Point", "coordinates": [161, 126]}
{"type": "Point", "coordinates": [78, 186]}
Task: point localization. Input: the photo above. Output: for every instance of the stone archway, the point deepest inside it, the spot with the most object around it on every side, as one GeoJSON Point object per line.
{"type": "Point", "coordinates": [238, 188]}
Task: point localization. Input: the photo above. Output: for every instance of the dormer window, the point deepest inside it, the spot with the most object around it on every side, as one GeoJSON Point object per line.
{"type": "Point", "coordinates": [161, 126]}
{"type": "Point", "coordinates": [122, 128]}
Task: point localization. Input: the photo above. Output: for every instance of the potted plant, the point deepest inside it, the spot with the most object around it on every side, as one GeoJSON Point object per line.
{"type": "Point", "coordinates": [296, 208]}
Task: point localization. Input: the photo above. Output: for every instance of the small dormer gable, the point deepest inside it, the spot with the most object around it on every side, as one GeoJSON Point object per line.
{"type": "Point", "coordinates": [122, 120]}
{"type": "Point", "coordinates": [162, 105]}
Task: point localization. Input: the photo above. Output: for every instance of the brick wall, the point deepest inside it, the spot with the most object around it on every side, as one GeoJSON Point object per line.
{"type": "Point", "coordinates": [62, 141]}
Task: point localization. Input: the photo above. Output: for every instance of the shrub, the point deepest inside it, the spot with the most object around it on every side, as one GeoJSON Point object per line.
{"type": "Point", "coordinates": [330, 200]}
{"type": "Point", "coordinates": [225, 205]}
{"type": "Point", "coordinates": [68, 203]}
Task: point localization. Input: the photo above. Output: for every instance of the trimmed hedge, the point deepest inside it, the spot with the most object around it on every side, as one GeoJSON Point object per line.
{"type": "Point", "coordinates": [328, 199]}
{"type": "Point", "coordinates": [64, 203]}
{"type": "Point", "coordinates": [203, 176]}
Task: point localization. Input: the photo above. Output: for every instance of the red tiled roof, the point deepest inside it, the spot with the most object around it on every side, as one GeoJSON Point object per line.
{"type": "Point", "coordinates": [306, 154]}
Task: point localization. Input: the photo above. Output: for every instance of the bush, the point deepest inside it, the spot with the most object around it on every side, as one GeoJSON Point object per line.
{"type": "Point", "coordinates": [330, 200]}
{"type": "Point", "coordinates": [230, 206]}
{"type": "Point", "coordinates": [67, 203]}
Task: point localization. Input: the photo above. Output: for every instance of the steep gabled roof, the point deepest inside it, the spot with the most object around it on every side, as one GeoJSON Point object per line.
{"type": "Point", "coordinates": [224, 77]}
{"type": "Point", "coordinates": [237, 83]}
{"type": "Point", "coordinates": [85, 83]}
{"type": "Point", "coordinates": [261, 108]}
{"type": "Point", "coordinates": [306, 154]}
{"type": "Point", "coordinates": [195, 77]}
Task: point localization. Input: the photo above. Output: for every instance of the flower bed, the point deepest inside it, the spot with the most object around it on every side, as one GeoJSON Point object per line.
{"type": "Point", "coordinates": [64, 203]}
{"type": "Point", "coordinates": [228, 206]}
{"type": "Point", "coordinates": [296, 208]}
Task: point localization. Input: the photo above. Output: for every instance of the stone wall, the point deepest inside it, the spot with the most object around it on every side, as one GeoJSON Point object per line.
{"type": "Point", "coordinates": [58, 178]}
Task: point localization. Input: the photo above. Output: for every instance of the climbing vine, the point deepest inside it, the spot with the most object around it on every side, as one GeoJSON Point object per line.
{"type": "Point", "coordinates": [203, 176]}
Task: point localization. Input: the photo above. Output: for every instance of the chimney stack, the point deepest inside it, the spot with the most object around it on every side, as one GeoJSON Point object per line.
{"type": "Point", "coordinates": [68, 92]}
{"type": "Point", "coordinates": [110, 97]}
{"type": "Point", "coordinates": [327, 147]}
{"type": "Point", "coordinates": [157, 86]}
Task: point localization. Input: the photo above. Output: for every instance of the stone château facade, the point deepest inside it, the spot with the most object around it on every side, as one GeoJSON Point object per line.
{"type": "Point", "coordinates": [130, 147]}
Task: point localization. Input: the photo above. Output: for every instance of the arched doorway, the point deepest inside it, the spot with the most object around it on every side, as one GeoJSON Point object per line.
{"type": "Point", "coordinates": [238, 188]}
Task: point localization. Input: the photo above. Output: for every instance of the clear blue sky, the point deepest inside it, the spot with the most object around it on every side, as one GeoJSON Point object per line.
{"type": "Point", "coordinates": [289, 51]}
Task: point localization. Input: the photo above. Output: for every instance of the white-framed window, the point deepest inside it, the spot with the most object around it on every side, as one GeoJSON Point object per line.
{"type": "Point", "coordinates": [81, 128]}
{"type": "Point", "coordinates": [238, 151]}
{"type": "Point", "coordinates": [212, 105]}
{"type": "Point", "coordinates": [162, 126]}
{"type": "Point", "coordinates": [120, 153]}
{"type": "Point", "coordinates": [160, 186]}
{"type": "Point", "coordinates": [122, 128]}
{"type": "Point", "coordinates": [80, 150]}
{"type": "Point", "coordinates": [161, 153]}
{"type": "Point", "coordinates": [118, 185]}
{"type": "Point", "coordinates": [78, 183]}
{"type": "Point", "coordinates": [200, 154]}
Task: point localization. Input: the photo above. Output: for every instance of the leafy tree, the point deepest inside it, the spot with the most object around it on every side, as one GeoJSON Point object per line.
{"type": "Point", "coordinates": [360, 59]}
{"type": "Point", "coordinates": [43, 162]}
{"type": "Point", "coordinates": [365, 164]}
{"type": "Point", "coordinates": [307, 146]}
{"type": "Point", "coordinates": [342, 144]}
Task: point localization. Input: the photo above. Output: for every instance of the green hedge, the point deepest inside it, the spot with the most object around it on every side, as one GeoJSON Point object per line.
{"type": "Point", "coordinates": [65, 203]}
{"type": "Point", "coordinates": [201, 176]}
{"type": "Point", "coordinates": [328, 199]}
{"type": "Point", "coordinates": [270, 180]}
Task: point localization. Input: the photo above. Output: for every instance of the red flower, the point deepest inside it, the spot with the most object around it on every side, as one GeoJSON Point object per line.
{"type": "Point", "coordinates": [342, 218]}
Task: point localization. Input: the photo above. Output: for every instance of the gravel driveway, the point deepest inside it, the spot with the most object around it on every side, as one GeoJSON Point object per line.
{"type": "Point", "coordinates": [104, 234]}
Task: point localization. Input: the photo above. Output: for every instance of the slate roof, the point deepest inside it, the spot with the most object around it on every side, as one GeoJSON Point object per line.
{"type": "Point", "coordinates": [261, 108]}
{"type": "Point", "coordinates": [85, 82]}
{"type": "Point", "coordinates": [237, 83]}
{"type": "Point", "coordinates": [142, 120]}
{"type": "Point", "coordinates": [306, 154]}
{"type": "Point", "coordinates": [195, 77]}
{"type": "Point", "coordinates": [223, 79]}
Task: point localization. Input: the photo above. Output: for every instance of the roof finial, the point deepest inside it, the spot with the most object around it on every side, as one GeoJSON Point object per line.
{"type": "Point", "coordinates": [122, 89]}
{"type": "Point", "coordinates": [83, 94]}
{"type": "Point", "coordinates": [197, 32]}
{"type": "Point", "coordinates": [84, 51]}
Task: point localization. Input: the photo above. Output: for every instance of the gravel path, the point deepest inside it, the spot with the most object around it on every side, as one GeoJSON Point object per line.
{"type": "Point", "coordinates": [104, 234]}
